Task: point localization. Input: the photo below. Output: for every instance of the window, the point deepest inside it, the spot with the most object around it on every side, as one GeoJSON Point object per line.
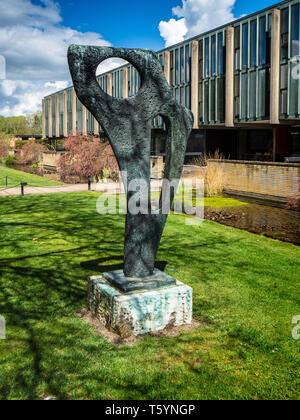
{"type": "Point", "coordinates": [207, 66]}
{"type": "Point", "coordinates": [237, 47]}
{"type": "Point", "coordinates": [253, 50]}
{"type": "Point", "coordinates": [220, 53]}
{"type": "Point", "coordinates": [177, 67]}
{"type": "Point", "coordinates": [161, 60]}
{"type": "Point", "coordinates": [245, 44]}
{"type": "Point", "coordinates": [182, 99]}
{"type": "Point", "coordinates": [213, 100]}
{"type": "Point", "coordinates": [295, 30]}
{"type": "Point", "coordinates": [187, 64]}
{"type": "Point", "coordinates": [284, 37]}
{"type": "Point", "coordinates": [262, 41]}
{"type": "Point", "coordinates": [188, 97]}
{"type": "Point", "coordinates": [172, 68]}
{"type": "Point", "coordinates": [213, 54]}
{"type": "Point", "coordinates": [268, 41]}
{"type": "Point", "coordinates": [181, 65]}
{"type": "Point", "coordinates": [201, 60]}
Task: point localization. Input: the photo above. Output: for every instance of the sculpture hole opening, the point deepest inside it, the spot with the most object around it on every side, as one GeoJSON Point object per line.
{"type": "Point", "coordinates": [118, 78]}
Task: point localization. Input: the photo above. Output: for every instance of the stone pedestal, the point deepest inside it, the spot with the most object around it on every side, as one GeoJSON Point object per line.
{"type": "Point", "coordinates": [139, 312]}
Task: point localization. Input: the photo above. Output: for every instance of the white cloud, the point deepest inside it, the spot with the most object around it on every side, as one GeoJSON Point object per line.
{"type": "Point", "coordinates": [24, 97]}
{"type": "Point", "coordinates": [34, 43]}
{"type": "Point", "coordinates": [173, 31]}
{"type": "Point", "coordinates": [196, 17]}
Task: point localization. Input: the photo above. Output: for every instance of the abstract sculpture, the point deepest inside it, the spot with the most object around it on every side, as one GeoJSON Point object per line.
{"type": "Point", "coordinates": [127, 124]}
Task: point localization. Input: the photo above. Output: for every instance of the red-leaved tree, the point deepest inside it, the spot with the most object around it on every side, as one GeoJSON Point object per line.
{"type": "Point", "coordinates": [4, 148]}
{"type": "Point", "coordinates": [31, 153]}
{"type": "Point", "coordinates": [87, 156]}
{"type": "Point", "coordinates": [294, 201]}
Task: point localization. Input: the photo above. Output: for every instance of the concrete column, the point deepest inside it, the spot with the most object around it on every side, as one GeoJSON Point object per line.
{"type": "Point", "coordinates": [167, 65]}
{"type": "Point", "coordinates": [57, 133]}
{"type": "Point", "coordinates": [50, 134]}
{"type": "Point", "coordinates": [66, 114]}
{"type": "Point", "coordinates": [96, 127]}
{"type": "Point", "coordinates": [275, 67]}
{"type": "Point", "coordinates": [44, 118]}
{"type": "Point", "coordinates": [229, 110]}
{"type": "Point", "coordinates": [195, 83]}
{"type": "Point", "coordinates": [84, 122]}
{"type": "Point", "coordinates": [74, 113]}
{"type": "Point", "coordinates": [110, 84]}
{"type": "Point", "coordinates": [125, 83]}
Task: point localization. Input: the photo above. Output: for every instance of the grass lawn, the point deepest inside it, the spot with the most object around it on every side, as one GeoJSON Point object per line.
{"type": "Point", "coordinates": [246, 292]}
{"type": "Point", "coordinates": [15, 177]}
{"type": "Point", "coordinates": [219, 201]}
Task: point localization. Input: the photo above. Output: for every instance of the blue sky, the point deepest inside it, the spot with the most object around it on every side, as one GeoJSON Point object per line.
{"type": "Point", "coordinates": [35, 35]}
{"type": "Point", "coordinates": [134, 23]}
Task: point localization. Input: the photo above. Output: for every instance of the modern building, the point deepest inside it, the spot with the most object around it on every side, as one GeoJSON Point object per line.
{"type": "Point", "coordinates": [241, 81]}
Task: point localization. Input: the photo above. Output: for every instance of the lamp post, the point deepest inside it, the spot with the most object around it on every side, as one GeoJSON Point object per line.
{"type": "Point", "coordinates": [23, 184]}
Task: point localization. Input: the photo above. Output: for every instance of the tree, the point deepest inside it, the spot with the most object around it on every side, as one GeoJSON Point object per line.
{"type": "Point", "coordinates": [14, 125]}
{"type": "Point", "coordinates": [31, 153]}
{"type": "Point", "coordinates": [294, 201]}
{"type": "Point", "coordinates": [87, 156]}
{"type": "Point", "coordinates": [34, 121]}
{"type": "Point", "coordinates": [4, 148]}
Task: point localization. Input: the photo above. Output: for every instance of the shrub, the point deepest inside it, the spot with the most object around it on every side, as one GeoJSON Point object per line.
{"type": "Point", "coordinates": [294, 201]}
{"type": "Point", "coordinates": [31, 153]}
{"type": "Point", "coordinates": [213, 173]}
{"type": "Point", "coordinates": [10, 160]}
{"type": "Point", "coordinates": [4, 148]}
{"type": "Point", "coordinates": [87, 156]}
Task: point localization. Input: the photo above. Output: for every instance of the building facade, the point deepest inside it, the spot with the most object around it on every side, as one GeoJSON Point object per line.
{"type": "Point", "coordinates": [241, 81]}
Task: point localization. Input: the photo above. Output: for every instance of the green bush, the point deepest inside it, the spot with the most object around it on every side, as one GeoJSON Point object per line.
{"type": "Point", "coordinates": [10, 160]}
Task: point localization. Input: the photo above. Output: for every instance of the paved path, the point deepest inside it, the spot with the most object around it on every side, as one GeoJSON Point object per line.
{"type": "Point", "coordinates": [66, 188]}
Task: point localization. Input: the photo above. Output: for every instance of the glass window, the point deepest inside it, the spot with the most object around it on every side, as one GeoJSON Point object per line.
{"type": "Point", "coordinates": [206, 102]}
{"type": "Point", "coordinates": [237, 47]}
{"type": "Point", "coordinates": [244, 96]}
{"type": "Point", "coordinates": [187, 64]}
{"type": "Point", "coordinates": [295, 30]}
{"type": "Point", "coordinates": [262, 99]}
{"type": "Point", "coordinates": [207, 66]}
{"type": "Point", "coordinates": [213, 100]}
{"type": "Point", "coordinates": [269, 35]}
{"type": "Point", "coordinates": [172, 68]}
{"type": "Point", "coordinates": [253, 42]}
{"type": "Point", "coordinates": [201, 60]}
{"type": "Point", "coordinates": [200, 102]}
{"type": "Point", "coordinates": [294, 97]}
{"type": "Point", "coordinates": [262, 41]}
{"type": "Point", "coordinates": [188, 97]}
{"type": "Point", "coordinates": [252, 109]}
{"type": "Point", "coordinates": [284, 33]}
{"type": "Point", "coordinates": [182, 65]}
{"type": "Point", "coordinates": [177, 67]}
{"type": "Point", "coordinates": [213, 54]}
{"type": "Point", "coordinates": [182, 99]}
{"type": "Point", "coordinates": [161, 60]}
{"type": "Point", "coordinates": [220, 53]}
{"type": "Point", "coordinates": [221, 100]}
{"type": "Point", "coordinates": [245, 44]}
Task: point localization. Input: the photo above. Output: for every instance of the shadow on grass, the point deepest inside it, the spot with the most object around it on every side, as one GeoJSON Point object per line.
{"type": "Point", "coordinates": [43, 283]}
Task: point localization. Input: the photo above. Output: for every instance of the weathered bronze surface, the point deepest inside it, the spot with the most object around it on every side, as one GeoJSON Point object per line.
{"type": "Point", "coordinates": [127, 124]}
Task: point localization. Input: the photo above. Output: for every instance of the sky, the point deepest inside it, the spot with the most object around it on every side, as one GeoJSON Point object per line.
{"type": "Point", "coordinates": [35, 35]}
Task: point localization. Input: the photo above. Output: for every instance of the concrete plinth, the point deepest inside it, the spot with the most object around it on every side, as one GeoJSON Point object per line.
{"type": "Point", "coordinates": [141, 312]}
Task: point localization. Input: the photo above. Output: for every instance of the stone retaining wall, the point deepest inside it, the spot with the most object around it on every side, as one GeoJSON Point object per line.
{"type": "Point", "coordinates": [261, 178]}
